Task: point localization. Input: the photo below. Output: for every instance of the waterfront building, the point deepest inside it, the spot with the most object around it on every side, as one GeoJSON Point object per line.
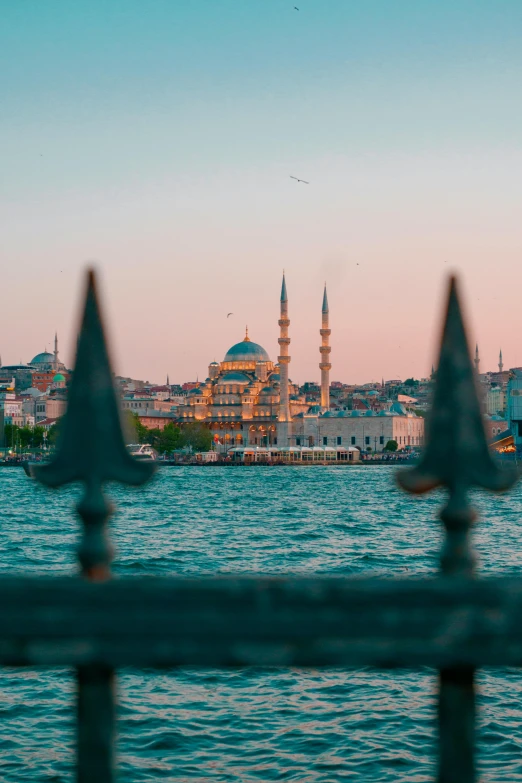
{"type": "Point", "coordinates": [366, 430]}
{"type": "Point", "coordinates": [514, 407]}
{"type": "Point", "coordinates": [496, 400]}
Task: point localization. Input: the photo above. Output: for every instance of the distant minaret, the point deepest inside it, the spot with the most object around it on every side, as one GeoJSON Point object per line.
{"type": "Point", "coordinates": [284, 418]}
{"type": "Point", "coordinates": [477, 359]}
{"type": "Point", "coordinates": [500, 362]}
{"type": "Point", "coordinates": [168, 382]}
{"type": "Point", "coordinates": [55, 361]}
{"type": "Point", "coordinates": [324, 350]}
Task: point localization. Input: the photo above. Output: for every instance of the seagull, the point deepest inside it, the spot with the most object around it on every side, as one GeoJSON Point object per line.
{"type": "Point", "coordinates": [299, 180]}
{"type": "Point", "coordinates": [296, 8]}
{"type": "Point", "coordinates": [228, 316]}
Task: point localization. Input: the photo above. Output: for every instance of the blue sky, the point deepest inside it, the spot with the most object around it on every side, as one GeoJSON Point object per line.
{"type": "Point", "coordinates": [157, 140]}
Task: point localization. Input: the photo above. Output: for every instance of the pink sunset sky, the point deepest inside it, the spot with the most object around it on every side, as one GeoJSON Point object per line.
{"type": "Point", "coordinates": [157, 144]}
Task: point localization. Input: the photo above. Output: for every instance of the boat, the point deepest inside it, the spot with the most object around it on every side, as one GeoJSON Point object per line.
{"type": "Point", "coordinates": [143, 452]}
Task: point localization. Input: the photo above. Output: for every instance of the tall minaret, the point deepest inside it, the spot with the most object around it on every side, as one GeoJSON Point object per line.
{"type": "Point", "coordinates": [284, 426]}
{"type": "Point", "coordinates": [477, 359]}
{"type": "Point", "coordinates": [324, 350]}
{"type": "Point", "coordinates": [55, 362]}
{"type": "Point", "coordinates": [500, 362]}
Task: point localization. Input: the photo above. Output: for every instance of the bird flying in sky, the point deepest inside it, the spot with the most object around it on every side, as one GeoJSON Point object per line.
{"type": "Point", "coordinates": [299, 180]}
{"type": "Point", "coordinates": [296, 8]}
{"type": "Point", "coordinates": [228, 316]}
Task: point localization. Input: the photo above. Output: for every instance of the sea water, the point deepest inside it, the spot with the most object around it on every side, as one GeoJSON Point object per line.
{"type": "Point", "coordinates": [256, 724]}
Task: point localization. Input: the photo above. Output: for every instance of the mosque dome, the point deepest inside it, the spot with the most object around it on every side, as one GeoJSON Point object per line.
{"type": "Point", "coordinates": [234, 377]}
{"type": "Point", "coordinates": [43, 358]}
{"type": "Point", "coordinates": [246, 351]}
{"type": "Point", "coordinates": [59, 378]}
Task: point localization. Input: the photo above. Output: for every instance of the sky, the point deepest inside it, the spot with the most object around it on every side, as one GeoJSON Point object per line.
{"type": "Point", "coordinates": [155, 141]}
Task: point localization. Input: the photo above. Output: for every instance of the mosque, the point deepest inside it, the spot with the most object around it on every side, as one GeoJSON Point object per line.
{"type": "Point", "coordinates": [44, 371]}
{"type": "Point", "coordinates": [247, 399]}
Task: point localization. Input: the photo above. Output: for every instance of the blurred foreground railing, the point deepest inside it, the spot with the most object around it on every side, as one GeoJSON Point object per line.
{"type": "Point", "coordinates": [454, 622]}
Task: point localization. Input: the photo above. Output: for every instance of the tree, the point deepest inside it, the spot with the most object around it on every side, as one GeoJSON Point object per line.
{"type": "Point", "coordinates": [169, 438]}
{"type": "Point", "coordinates": [38, 437]}
{"type": "Point", "coordinates": [134, 430]}
{"type": "Point", "coordinates": [53, 433]}
{"type": "Point", "coordinates": [197, 436]}
{"type": "Point", "coordinates": [392, 445]}
{"type": "Point", "coordinates": [410, 382]}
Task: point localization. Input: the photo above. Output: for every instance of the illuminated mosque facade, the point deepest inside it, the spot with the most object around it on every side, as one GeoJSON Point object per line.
{"type": "Point", "coordinates": [249, 400]}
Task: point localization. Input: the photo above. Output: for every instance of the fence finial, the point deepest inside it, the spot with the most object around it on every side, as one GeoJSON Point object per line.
{"type": "Point", "coordinates": [91, 445]}
{"type": "Point", "coordinates": [456, 453]}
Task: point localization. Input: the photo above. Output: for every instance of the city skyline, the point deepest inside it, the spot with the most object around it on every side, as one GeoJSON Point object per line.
{"type": "Point", "coordinates": [161, 146]}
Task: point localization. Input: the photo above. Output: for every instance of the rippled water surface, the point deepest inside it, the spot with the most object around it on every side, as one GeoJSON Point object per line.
{"type": "Point", "coordinates": [256, 724]}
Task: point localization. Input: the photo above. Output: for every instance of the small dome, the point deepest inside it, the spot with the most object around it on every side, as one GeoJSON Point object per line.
{"type": "Point", "coordinates": [214, 364]}
{"type": "Point", "coordinates": [369, 413]}
{"type": "Point", "coordinates": [43, 358]}
{"type": "Point", "coordinates": [356, 412]}
{"type": "Point", "coordinates": [197, 390]}
{"type": "Point", "coordinates": [235, 377]}
{"type": "Point", "coordinates": [267, 390]}
{"type": "Point", "coordinates": [59, 378]}
{"type": "Point", "coordinates": [275, 378]}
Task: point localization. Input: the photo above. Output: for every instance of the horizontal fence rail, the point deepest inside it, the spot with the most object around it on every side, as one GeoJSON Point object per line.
{"type": "Point", "coordinates": [276, 621]}
{"type": "Point", "coordinates": [243, 621]}
{"type": "Point", "coordinates": [453, 622]}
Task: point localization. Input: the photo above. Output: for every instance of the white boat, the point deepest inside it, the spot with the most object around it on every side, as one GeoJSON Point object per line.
{"type": "Point", "coordinates": [143, 451]}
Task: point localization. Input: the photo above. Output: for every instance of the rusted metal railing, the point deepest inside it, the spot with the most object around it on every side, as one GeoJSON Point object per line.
{"type": "Point", "coordinates": [453, 622]}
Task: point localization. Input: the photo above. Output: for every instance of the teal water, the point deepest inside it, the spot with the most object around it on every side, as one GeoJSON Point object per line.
{"type": "Point", "coordinates": [256, 724]}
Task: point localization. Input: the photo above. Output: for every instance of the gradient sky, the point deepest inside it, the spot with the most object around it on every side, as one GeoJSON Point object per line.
{"type": "Point", "coordinates": [157, 139]}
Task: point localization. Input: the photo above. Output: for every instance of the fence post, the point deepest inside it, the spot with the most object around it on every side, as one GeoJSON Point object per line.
{"type": "Point", "coordinates": [457, 457]}
{"type": "Point", "coordinates": [91, 449]}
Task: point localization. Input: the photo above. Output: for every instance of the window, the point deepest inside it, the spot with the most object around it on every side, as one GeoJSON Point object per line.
{"type": "Point", "coordinates": [381, 440]}
{"type": "Point", "coordinates": [325, 441]}
{"type": "Point", "coordinates": [339, 440]}
{"type": "Point", "coordinates": [298, 441]}
{"type": "Point", "coordinates": [367, 440]}
{"type": "Point", "coordinates": [353, 440]}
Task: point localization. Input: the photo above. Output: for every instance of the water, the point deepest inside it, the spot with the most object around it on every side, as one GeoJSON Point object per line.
{"type": "Point", "coordinates": [255, 725]}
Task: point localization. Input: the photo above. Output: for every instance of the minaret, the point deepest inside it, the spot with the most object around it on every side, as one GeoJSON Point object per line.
{"type": "Point", "coordinates": [500, 362]}
{"type": "Point", "coordinates": [168, 382]}
{"type": "Point", "coordinates": [55, 362]}
{"type": "Point", "coordinates": [284, 426]}
{"type": "Point", "coordinates": [324, 350]}
{"type": "Point", "coordinates": [477, 359]}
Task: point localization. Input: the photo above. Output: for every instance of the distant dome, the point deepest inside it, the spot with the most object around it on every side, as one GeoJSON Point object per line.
{"type": "Point", "coordinates": [43, 358]}
{"type": "Point", "coordinates": [246, 351]}
{"type": "Point", "coordinates": [197, 390]}
{"type": "Point", "coordinates": [234, 377]}
{"type": "Point", "coordinates": [59, 378]}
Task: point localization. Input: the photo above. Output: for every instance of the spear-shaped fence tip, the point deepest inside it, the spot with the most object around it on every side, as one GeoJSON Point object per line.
{"type": "Point", "coordinates": [456, 452]}
{"type": "Point", "coordinates": [91, 446]}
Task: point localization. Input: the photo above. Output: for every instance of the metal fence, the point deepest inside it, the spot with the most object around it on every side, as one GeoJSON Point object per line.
{"type": "Point", "coordinates": [453, 622]}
